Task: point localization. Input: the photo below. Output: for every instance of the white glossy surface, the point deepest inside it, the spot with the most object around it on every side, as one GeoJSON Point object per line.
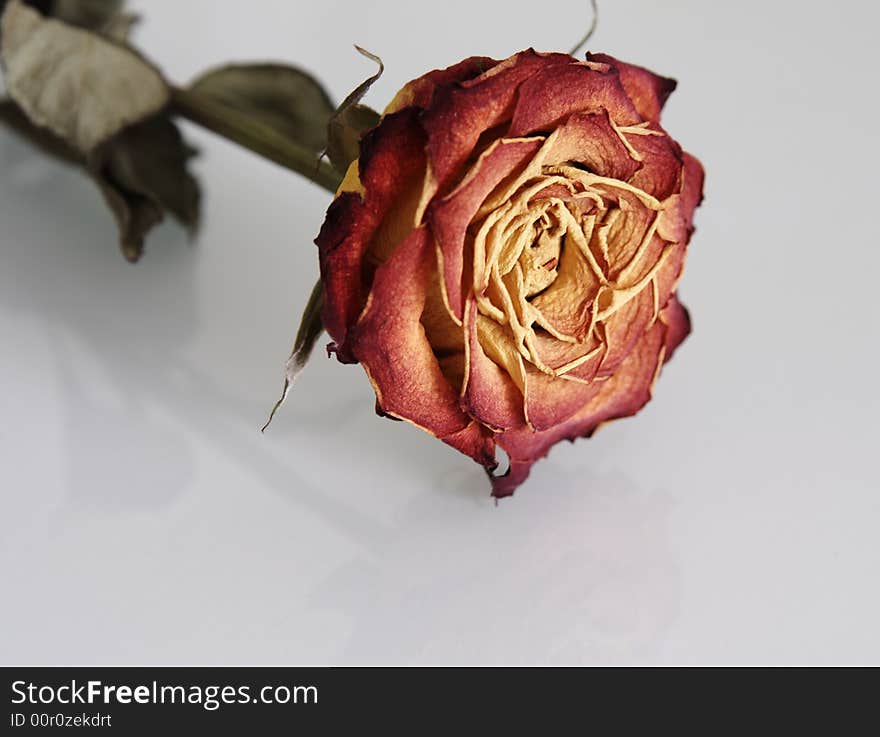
{"type": "Point", "coordinates": [144, 519]}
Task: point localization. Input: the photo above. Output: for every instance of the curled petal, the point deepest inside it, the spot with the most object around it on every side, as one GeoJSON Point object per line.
{"type": "Point", "coordinates": [647, 90]}
{"type": "Point", "coordinates": [476, 442]}
{"type": "Point", "coordinates": [567, 306]}
{"type": "Point", "coordinates": [692, 186]}
{"type": "Point", "coordinates": [676, 225]}
{"type": "Point", "coordinates": [678, 325]}
{"type": "Point", "coordinates": [667, 277]}
{"type": "Point", "coordinates": [459, 115]}
{"type": "Point", "coordinates": [392, 155]}
{"type": "Point", "coordinates": [579, 361]}
{"type": "Point", "coordinates": [518, 471]}
{"type": "Point", "coordinates": [450, 217]}
{"type": "Point", "coordinates": [661, 157]}
{"type": "Point", "coordinates": [550, 400]}
{"type": "Point", "coordinates": [489, 394]}
{"type": "Point", "coordinates": [555, 92]}
{"type": "Point", "coordinates": [622, 395]}
{"type": "Point", "coordinates": [420, 92]}
{"type": "Point", "coordinates": [389, 340]}
{"type": "Point", "coordinates": [625, 329]}
{"type": "Point", "coordinates": [676, 222]}
{"type": "Point", "coordinates": [446, 337]}
{"type": "Point", "coordinates": [591, 139]}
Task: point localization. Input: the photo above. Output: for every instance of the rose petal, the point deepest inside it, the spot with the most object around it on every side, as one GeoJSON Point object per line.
{"type": "Point", "coordinates": [446, 337]}
{"type": "Point", "coordinates": [420, 92]}
{"type": "Point", "coordinates": [504, 485]}
{"type": "Point", "coordinates": [549, 96]}
{"type": "Point", "coordinates": [489, 394]}
{"type": "Point", "coordinates": [660, 172]}
{"type": "Point", "coordinates": [622, 395]}
{"type": "Point", "coordinates": [389, 340]}
{"type": "Point", "coordinates": [585, 138]}
{"type": "Point", "coordinates": [676, 225]}
{"type": "Point", "coordinates": [460, 115]}
{"type": "Point", "coordinates": [647, 90]}
{"type": "Point", "coordinates": [560, 355]}
{"type": "Point", "coordinates": [678, 323]}
{"type": "Point", "coordinates": [391, 156]}
{"type": "Point", "coordinates": [449, 218]}
{"type": "Point", "coordinates": [666, 278]}
{"type": "Point", "coordinates": [692, 186]}
{"type": "Point", "coordinates": [625, 328]}
{"type": "Point", "coordinates": [551, 400]}
{"type": "Point", "coordinates": [566, 306]}
{"type": "Point", "coordinates": [475, 441]}
{"type": "Point", "coordinates": [590, 139]}
{"type": "Point", "coordinates": [632, 244]}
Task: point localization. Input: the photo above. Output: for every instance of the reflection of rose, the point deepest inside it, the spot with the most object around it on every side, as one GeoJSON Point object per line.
{"type": "Point", "coordinates": [503, 257]}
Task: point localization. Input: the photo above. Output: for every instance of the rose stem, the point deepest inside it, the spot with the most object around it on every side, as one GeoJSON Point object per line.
{"type": "Point", "coordinates": [254, 136]}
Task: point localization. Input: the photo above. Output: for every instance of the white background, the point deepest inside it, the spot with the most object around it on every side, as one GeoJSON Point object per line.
{"type": "Point", "coordinates": [144, 519]}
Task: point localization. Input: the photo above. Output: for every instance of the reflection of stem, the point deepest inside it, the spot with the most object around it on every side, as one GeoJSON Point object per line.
{"type": "Point", "coordinates": [254, 136]}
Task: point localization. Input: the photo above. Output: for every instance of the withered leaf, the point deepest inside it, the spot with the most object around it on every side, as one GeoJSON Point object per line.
{"type": "Point", "coordinates": [285, 98]}
{"type": "Point", "coordinates": [103, 16]}
{"type": "Point", "coordinates": [351, 120]}
{"type": "Point", "coordinates": [12, 115]}
{"type": "Point", "coordinates": [141, 172]}
{"type": "Point", "coordinates": [310, 328]}
{"type": "Point", "coordinates": [81, 85]}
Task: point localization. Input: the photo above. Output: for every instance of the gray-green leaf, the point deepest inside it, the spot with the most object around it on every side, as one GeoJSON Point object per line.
{"type": "Point", "coordinates": [310, 328]}
{"type": "Point", "coordinates": [141, 172]}
{"type": "Point", "coordinates": [285, 98]}
{"type": "Point", "coordinates": [81, 85]}
{"type": "Point", "coordinates": [106, 17]}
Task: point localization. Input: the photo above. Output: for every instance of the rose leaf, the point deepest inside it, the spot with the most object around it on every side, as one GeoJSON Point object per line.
{"type": "Point", "coordinates": [285, 98]}
{"type": "Point", "coordinates": [310, 328]}
{"type": "Point", "coordinates": [102, 16]}
{"type": "Point", "coordinates": [81, 85]}
{"type": "Point", "coordinates": [141, 173]}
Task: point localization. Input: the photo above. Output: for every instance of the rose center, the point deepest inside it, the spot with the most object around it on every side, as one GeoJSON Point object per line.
{"type": "Point", "coordinates": [540, 260]}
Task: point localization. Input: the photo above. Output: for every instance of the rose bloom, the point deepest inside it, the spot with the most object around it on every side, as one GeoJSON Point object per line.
{"type": "Point", "coordinates": [503, 257]}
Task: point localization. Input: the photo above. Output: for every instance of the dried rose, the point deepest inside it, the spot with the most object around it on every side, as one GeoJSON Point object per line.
{"type": "Point", "coordinates": [503, 256]}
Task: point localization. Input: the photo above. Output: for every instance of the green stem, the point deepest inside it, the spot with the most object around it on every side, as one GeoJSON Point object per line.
{"type": "Point", "coordinates": [254, 136]}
